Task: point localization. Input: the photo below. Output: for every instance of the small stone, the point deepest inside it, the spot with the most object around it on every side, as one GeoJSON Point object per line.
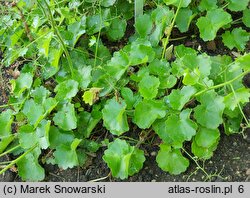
{"type": "Point", "coordinates": [211, 45]}
{"type": "Point", "coordinates": [153, 180]}
{"type": "Point", "coordinates": [235, 144]}
{"type": "Point", "coordinates": [153, 153]}
{"type": "Point", "coordinates": [248, 171]}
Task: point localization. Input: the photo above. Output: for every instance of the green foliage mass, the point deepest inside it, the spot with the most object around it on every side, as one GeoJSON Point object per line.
{"type": "Point", "coordinates": [88, 73]}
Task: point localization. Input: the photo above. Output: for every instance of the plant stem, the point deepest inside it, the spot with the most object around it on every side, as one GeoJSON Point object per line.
{"type": "Point", "coordinates": [238, 104]}
{"type": "Point", "coordinates": [17, 159]}
{"type": "Point", "coordinates": [59, 37]}
{"type": "Point", "coordinates": [138, 8]}
{"type": "Point", "coordinates": [166, 41]}
{"type": "Point", "coordinates": [99, 35]}
{"type": "Point", "coordinates": [198, 165]}
{"type": "Point", "coordinates": [10, 150]}
{"type": "Point", "coordinates": [222, 84]}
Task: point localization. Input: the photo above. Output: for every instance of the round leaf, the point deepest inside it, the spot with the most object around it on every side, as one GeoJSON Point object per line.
{"type": "Point", "coordinates": [209, 113]}
{"type": "Point", "coordinates": [147, 111]}
{"type": "Point", "coordinates": [207, 137]}
{"type": "Point", "coordinates": [65, 118]}
{"type": "Point", "coordinates": [171, 161]}
{"type": "Point", "coordinates": [114, 116]}
{"type": "Point", "coordinates": [148, 87]}
{"type": "Point", "coordinates": [123, 159]}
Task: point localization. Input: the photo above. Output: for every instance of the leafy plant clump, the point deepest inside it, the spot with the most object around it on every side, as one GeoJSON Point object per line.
{"type": "Point", "coordinates": [80, 73]}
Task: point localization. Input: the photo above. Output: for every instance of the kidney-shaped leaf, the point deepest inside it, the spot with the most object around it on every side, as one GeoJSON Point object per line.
{"type": "Point", "coordinates": [171, 161]}
{"type": "Point", "coordinates": [114, 116]}
{"type": "Point", "coordinates": [123, 159]}
{"type": "Point", "coordinates": [147, 111]}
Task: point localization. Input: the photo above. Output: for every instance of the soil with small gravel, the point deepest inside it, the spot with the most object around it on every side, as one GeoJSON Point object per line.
{"type": "Point", "coordinates": [230, 162]}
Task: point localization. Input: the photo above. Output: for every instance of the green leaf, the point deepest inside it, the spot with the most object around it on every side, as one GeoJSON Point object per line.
{"type": "Point", "coordinates": [21, 84]}
{"type": "Point", "coordinates": [181, 51]}
{"type": "Point", "coordinates": [241, 62]}
{"type": "Point", "coordinates": [27, 136]}
{"type": "Point", "coordinates": [66, 155]}
{"type": "Point", "coordinates": [123, 160]}
{"type": "Point", "coordinates": [159, 67]}
{"type": "Point", "coordinates": [208, 5]}
{"type": "Point", "coordinates": [219, 64]}
{"type": "Point", "coordinates": [191, 77]}
{"type": "Point", "coordinates": [207, 137]}
{"type": "Point", "coordinates": [65, 118]}
{"type": "Point", "coordinates": [66, 90]}
{"type": "Point", "coordinates": [141, 52]}
{"type": "Point", "coordinates": [167, 82]}
{"type": "Point", "coordinates": [107, 3]}
{"type": "Point", "coordinates": [162, 17]}
{"type": "Point", "coordinates": [204, 64]}
{"type": "Point", "coordinates": [246, 17]}
{"type": "Point", "coordinates": [117, 29]}
{"type": "Point", "coordinates": [176, 3]}
{"type": "Point", "coordinates": [171, 161]}
{"type": "Point", "coordinates": [143, 25]}
{"type": "Point", "coordinates": [49, 104]}
{"type": "Point", "coordinates": [234, 5]}
{"type": "Point", "coordinates": [52, 66]}
{"type": "Point", "coordinates": [29, 168]}
{"type": "Point", "coordinates": [88, 121]}
{"type": "Point", "coordinates": [118, 65]}
{"type": "Point", "coordinates": [148, 86]}
{"type": "Point", "coordinates": [238, 38]}
{"type": "Point", "coordinates": [209, 113]}
{"type": "Point", "coordinates": [114, 116]}
{"type": "Point", "coordinates": [156, 110]}
{"type": "Point", "coordinates": [44, 44]}
{"type": "Point", "coordinates": [136, 161]}
{"type": "Point", "coordinates": [42, 132]}
{"type": "Point", "coordinates": [33, 111]}
{"type": "Point", "coordinates": [6, 120]}
{"type": "Point", "coordinates": [40, 94]}
{"type": "Point", "coordinates": [160, 127]}
{"type": "Point", "coordinates": [184, 18]}
{"type": "Point", "coordinates": [180, 128]}
{"type": "Point", "coordinates": [178, 98]}
{"type": "Point", "coordinates": [203, 152]}
{"type": "Point", "coordinates": [232, 125]}
{"type": "Point", "coordinates": [212, 22]}
{"type": "Point", "coordinates": [96, 22]}
{"type": "Point", "coordinates": [241, 96]}
{"type": "Point", "coordinates": [77, 29]}
{"type": "Point", "coordinates": [91, 96]}
{"type": "Point", "coordinates": [130, 98]}
{"type": "Point", "coordinates": [58, 137]}
{"type": "Point", "coordinates": [83, 76]}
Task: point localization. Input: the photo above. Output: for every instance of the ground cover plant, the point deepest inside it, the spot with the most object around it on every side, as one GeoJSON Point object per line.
{"type": "Point", "coordinates": [104, 73]}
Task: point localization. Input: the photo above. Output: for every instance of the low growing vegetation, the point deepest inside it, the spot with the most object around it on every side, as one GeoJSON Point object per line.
{"type": "Point", "coordinates": [106, 73]}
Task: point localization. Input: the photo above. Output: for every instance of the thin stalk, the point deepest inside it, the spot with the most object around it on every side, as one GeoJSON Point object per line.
{"type": "Point", "coordinates": [222, 84]}
{"type": "Point", "coordinates": [138, 8]}
{"type": "Point", "coordinates": [52, 21]}
{"type": "Point", "coordinates": [143, 138]}
{"type": "Point", "coordinates": [198, 165]}
{"type": "Point", "coordinates": [17, 159]}
{"type": "Point", "coordinates": [166, 41]}
{"type": "Point", "coordinates": [100, 179]}
{"type": "Point", "coordinates": [98, 38]}
{"type": "Point", "coordinates": [238, 104]}
{"type": "Point", "coordinates": [10, 150]}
